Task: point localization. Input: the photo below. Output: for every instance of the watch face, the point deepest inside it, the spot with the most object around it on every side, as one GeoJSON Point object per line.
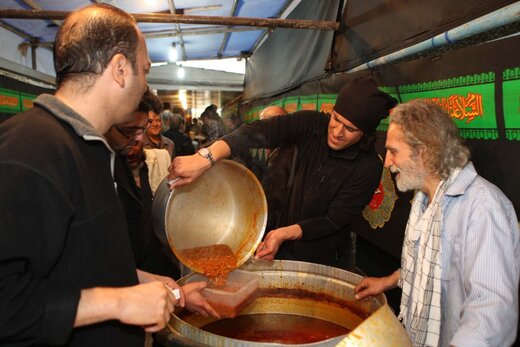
{"type": "Point", "coordinates": [204, 152]}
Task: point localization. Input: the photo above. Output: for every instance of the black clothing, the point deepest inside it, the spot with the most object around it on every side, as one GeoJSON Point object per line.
{"type": "Point", "coordinates": [183, 144]}
{"type": "Point", "coordinates": [274, 182]}
{"type": "Point", "coordinates": [137, 204]}
{"type": "Point", "coordinates": [330, 187]}
{"type": "Point", "coordinates": [62, 228]}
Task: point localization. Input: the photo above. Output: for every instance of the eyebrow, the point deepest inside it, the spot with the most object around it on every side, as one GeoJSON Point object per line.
{"type": "Point", "coordinates": [335, 114]}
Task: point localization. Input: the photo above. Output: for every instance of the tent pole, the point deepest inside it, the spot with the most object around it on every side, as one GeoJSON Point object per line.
{"type": "Point", "coordinates": [506, 15]}
{"type": "Point", "coordinates": [179, 18]}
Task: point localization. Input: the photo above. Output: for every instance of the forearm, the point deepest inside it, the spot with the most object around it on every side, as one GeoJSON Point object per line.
{"type": "Point", "coordinates": [291, 232]}
{"type": "Point", "coordinates": [220, 150]}
{"type": "Point", "coordinates": [148, 305]}
{"type": "Point", "coordinates": [393, 279]}
{"type": "Point", "coordinates": [97, 305]}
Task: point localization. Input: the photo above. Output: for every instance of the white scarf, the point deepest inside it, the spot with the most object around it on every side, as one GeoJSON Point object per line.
{"type": "Point", "coordinates": [158, 162]}
{"type": "Point", "coordinates": [421, 272]}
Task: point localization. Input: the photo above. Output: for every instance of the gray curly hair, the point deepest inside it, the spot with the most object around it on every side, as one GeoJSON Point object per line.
{"type": "Point", "coordinates": [427, 126]}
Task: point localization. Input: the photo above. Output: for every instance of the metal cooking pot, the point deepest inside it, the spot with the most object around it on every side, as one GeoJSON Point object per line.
{"type": "Point", "coordinates": [380, 329]}
{"type": "Point", "coordinates": [226, 205]}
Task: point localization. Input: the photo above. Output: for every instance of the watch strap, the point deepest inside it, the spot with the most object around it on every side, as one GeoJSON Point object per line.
{"type": "Point", "coordinates": [208, 155]}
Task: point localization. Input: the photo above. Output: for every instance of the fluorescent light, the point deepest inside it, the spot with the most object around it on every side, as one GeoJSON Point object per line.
{"type": "Point", "coordinates": [180, 72]}
{"type": "Point", "coordinates": [159, 63]}
{"type": "Point", "coordinates": [183, 98]}
{"type": "Point", "coordinates": [227, 65]}
{"type": "Point", "coordinates": [173, 54]}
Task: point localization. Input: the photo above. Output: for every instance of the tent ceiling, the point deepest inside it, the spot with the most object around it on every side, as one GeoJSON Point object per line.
{"type": "Point", "coordinates": [195, 41]}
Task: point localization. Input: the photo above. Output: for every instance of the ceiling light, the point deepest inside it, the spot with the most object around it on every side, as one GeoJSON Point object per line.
{"type": "Point", "coordinates": [183, 98]}
{"type": "Point", "coordinates": [172, 54]}
{"type": "Point", "coordinates": [180, 72]}
{"type": "Point", "coordinates": [159, 63]}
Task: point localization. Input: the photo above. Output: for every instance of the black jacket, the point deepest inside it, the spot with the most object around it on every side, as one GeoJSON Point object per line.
{"type": "Point", "coordinates": [183, 144]}
{"type": "Point", "coordinates": [62, 229]}
{"type": "Point", "coordinates": [149, 254]}
{"type": "Point", "coordinates": [330, 188]}
{"type": "Point", "coordinates": [275, 180]}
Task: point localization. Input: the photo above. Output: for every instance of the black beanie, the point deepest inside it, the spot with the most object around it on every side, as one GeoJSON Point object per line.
{"type": "Point", "coordinates": [363, 104]}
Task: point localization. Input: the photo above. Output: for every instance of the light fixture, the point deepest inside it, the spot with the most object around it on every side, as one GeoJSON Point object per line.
{"type": "Point", "coordinates": [172, 54]}
{"type": "Point", "coordinates": [183, 98]}
{"type": "Point", "coordinates": [180, 72]}
{"type": "Point", "coordinates": [159, 63]}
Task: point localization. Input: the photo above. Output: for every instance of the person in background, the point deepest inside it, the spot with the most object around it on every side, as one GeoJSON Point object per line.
{"type": "Point", "coordinates": [212, 127]}
{"type": "Point", "coordinates": [461, 254]}
{"type": "Point", "coordinates": [336, 174]}
{"type": "Point", "coordinates": [183, 144]}
{"type": "Point", "coordinates": [137, 200]}
{"type": "Point", "coordinates": [195, 133]}
{"type": "Point", "coordinates": [166, 107]}
{"type": "Point", "coordinates": [277, 173]}
{"type": "Point", "coordinates": [67, 274]}
{"type": "Point", "coordinates": [231, 122]}
{"type": "Point", "coordinates": [153, 138]}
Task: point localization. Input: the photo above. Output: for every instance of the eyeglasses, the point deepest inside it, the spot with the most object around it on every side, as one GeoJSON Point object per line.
{"type": "Point", "coordinates": [130, 132]}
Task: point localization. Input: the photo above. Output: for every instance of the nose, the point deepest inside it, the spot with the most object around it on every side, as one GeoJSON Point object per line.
{"type": "Point", "coordinates": [336, 130]}
{"type": "Point", "coordinates": [388, 159]}
{"type": "Point", "coordinates": [138, 138]}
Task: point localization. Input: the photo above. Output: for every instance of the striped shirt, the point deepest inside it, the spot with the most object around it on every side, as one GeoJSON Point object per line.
{"type": "Point", "coordinates": [480, 264]}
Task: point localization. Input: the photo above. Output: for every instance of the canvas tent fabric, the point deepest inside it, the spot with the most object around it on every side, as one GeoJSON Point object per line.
{"type": "Point", "coordinates": [373, 28]}
{"type": "Point", "coordinates": [291, 57]}
{"type": "Point", "coordinates": [369, 29]}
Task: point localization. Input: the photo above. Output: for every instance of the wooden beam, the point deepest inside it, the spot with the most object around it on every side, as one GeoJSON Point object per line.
{"type": "Point", "coordinates": [226, 35]}
{"type": "Point", "coordinates": [176, 18]}
{"type": "Point", "coordinates": [35, 6]}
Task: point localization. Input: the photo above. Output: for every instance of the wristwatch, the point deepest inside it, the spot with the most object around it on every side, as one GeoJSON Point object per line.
{"type": "Point", "coordinates": [206, 153]}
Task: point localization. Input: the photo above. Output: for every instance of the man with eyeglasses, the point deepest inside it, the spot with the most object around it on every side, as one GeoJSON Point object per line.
{"type": "Point", "coordinates": [137, 200]}
{"type": "Point", "coordinates": [137, 205]}
{"type": "Point", "coordinates": [336, 172]}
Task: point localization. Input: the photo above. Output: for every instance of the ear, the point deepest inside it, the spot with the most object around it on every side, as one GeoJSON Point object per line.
{"type": "Point", "coordinates": [119, 66]}
{"type": "Point", "coordinates": [423, 153]}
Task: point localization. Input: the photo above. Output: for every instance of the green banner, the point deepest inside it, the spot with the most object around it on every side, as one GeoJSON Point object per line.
{"type": "Point", "coordinates": [326, 102]}
{"type": "Point", "coordinates": [291, 103]}
{"type": "Point", "coordinates": [308, 102]}
{"type": "Point", "coordinates": [9, 101]}
{"type": "Point", "coordinates": [469, 100]}
{"type": "Point", "coordinates": [27, 101]}
{"type": "Point", "coordinates": [252, 114]}
{"type": "Point", "coordinates": [511, 102]}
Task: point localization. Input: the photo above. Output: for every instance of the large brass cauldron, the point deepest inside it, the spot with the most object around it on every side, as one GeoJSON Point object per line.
{"type": "Point", "coordinates": [381, 328]}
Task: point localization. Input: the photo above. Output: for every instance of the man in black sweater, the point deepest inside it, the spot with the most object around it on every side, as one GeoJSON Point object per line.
{"type": "Point", "coordinates": [67, 274]}
{"type": "Point", "coordinates": [337, 172]}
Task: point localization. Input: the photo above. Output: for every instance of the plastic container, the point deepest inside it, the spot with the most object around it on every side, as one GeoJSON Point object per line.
{"type": "Point", "coordinates": [239, 291]}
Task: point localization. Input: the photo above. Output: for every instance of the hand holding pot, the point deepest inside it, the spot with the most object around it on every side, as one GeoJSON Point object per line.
{"type": "Point", "coordinates": [186, 169]}
{"type": "Point", "coordinates": [370, 286]}
{"type": "Point", "coordinates": [195, 302]}
{"type": "Point", "coordinates": [147, 277]}
{"type": "Point", "coordinates": [148, 305]}
{"type": "Point", "coordinates": [274, 239]}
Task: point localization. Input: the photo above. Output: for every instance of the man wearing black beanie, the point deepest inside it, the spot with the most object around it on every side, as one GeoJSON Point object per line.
{"type": "Point", "coordinates": [336, 172]}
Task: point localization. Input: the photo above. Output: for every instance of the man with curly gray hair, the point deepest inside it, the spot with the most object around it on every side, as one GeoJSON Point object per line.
{"type": "Point", "coordinates": [461, 253]}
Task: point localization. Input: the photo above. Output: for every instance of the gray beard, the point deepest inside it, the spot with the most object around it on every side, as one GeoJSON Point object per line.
{"type": "Point", "coordinates": [411, 177]}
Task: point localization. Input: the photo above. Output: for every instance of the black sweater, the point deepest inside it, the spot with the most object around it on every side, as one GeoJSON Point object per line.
{"type": "Point", "coordinates": [330, 187]}
{"type": "Point", "coordinates": [62, 229]}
